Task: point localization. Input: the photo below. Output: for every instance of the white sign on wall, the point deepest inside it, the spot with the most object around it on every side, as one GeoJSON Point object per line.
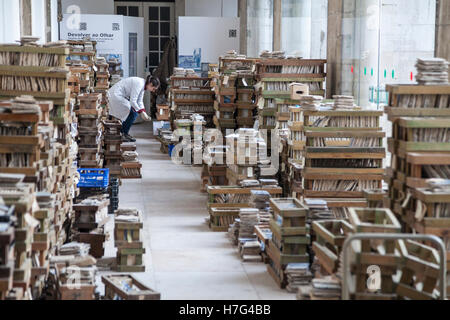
{"type": "Point", "coordinates": [107, 30]}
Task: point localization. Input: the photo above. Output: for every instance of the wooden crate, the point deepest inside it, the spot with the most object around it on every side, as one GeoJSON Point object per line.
{"type": "Point", "coordinates": [134, 290]}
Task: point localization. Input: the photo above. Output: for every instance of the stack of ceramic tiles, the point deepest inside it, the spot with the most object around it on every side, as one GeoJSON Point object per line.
{"type": "Point", "coordinates": [432, 71]}
{"type": "Point", "coordinates": [128, 240]}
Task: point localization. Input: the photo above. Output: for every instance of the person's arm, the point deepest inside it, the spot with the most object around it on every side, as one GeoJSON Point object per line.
{"type": "Point", "coordinates": [137, 96]}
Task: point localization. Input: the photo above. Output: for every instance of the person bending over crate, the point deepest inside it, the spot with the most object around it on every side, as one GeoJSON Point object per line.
{"type": "Point", "coordinates": [126, 100]}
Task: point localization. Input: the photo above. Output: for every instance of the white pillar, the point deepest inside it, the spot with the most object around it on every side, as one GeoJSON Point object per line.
{"type": "Point", "coordinates": [38, 19]}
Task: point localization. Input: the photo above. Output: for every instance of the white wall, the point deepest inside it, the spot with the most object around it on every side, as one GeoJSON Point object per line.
{"type": "Point", "coordinates": [132, 24]}
{"type": "Point", "coordinates": [90, 6]}
{"type": "Point", "coordinates": [9, 21]}
{"type": "Point", "coordinates": [212, 8]}
{"type": "Point", "coordinates": [214, 40]}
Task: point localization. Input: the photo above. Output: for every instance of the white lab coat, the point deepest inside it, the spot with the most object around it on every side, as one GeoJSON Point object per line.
{"type": "Point", "coordinates": [126, 94]}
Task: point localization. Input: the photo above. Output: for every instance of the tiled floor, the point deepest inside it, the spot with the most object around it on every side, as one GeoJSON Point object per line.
{"type": "Point", "coordinates": [184, 259]}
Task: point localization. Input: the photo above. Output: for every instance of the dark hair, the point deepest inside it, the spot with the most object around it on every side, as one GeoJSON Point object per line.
{"type": "Point", "coordinates": [153, 80]}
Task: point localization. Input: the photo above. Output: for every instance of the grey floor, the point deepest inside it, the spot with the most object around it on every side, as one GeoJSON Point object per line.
{"type": "Point", "coordinates": [184, 259]}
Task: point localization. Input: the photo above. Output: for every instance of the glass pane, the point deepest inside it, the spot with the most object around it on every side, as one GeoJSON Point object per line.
{"type": "Point", "coordinates": [381, 42]}
{"type": "Point", "coordinates": [133, 11]}
{"type": "Point", "coordinates": [132, 55]}
{"type": "Point", "coordinates": [259, 26]}
{"type": "Point", "coordinates": [154, 58]}
{"type": "Point", "coordinates": [165, 28]}
{"type": "Point", "coordinates": [165, 14]}
{"type": "Point", "coordinates": [163, 43]}
{"type": "Point", "coordinates": [153, 44]}
{"type": "Point", "coordinates": [153, 13]}
{"type": "Point", "coordinates": [122, 10]}
{"type": "Point", "coordinates": [304, 25]}
{"type": "Point", "coordinates": [153, 28]}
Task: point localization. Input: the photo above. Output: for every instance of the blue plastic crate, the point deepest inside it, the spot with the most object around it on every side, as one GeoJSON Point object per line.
{"type": "Point", "coordinates": [93, 178]}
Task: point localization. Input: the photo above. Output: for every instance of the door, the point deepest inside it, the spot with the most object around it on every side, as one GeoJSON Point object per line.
{"type": "Point", "coordinates": [159, 26]}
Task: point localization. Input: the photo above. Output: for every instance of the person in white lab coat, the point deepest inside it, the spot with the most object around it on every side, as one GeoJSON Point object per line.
{"type": "Point", "coordinates": [126, 101]}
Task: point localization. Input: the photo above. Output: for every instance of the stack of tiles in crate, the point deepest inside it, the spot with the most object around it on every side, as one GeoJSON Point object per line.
{"type": "Point", "coordinates": [297, 274]}
{"type": "Point", "coordinates": [90, 131]}
{"type": "Point", "coordinates": [117, 287]}
{"type": "Point", "coordinates": [225, 105]}
{"type": "Point", "coordinates": [283, 107]}
{"type": "Point", "coordinates": [115, 68]}
{"type": "Point", "coordinates": [128, 225]}
{"type": "Point", "coordinates": [186, 102]}
{"type": "Point", "coordinates": [130, 167]}
{"type": "Point", "coordinates": [7, 225]}
{"type": "Point", "coordinates": [330, 236]}
{"type": "Point", "coordinates": [44, 238]}
{"type": "Point", "coordinates": [290, 237]}
{"type": "Point", "coordinates": [22, 197]}
{"type": "Point", "coordinates": [245, 148]}
{"type": "Point", "coordinates": [46, 79]}
{"type": "Point", "coordinates": [83, 53]}
{"type": "Point", "coordinates": [102, 83]}
{"type": "Point", "coordinates": [236, 81]}
{"type": "Point", "coordinates": [244, 103]}
{"type": "Point", "coordinates": [112, 143]}
{"type": "Point", "coordinates": [344, 153]}
{"type": "Point", "coordinates": [88, 225]}
{"type": "Point", "coordinates": [297, 139]}
{"type": "Point", "coordinates": [38, 71]}
{"type": "Point", "coordinates": [225, 202]}
{"type": "Point", "coordinates": [19, 139]}
{"type": "Point", "coordinates": [381, 253]}
{"type": "Point", "coordinates": [80, 80]}
{"type": "Point", "coordinates": [276, 76]}
{"type": "Point", "coordinates": [249, 218]}
{"type": "Point", "coordinates": [72, 261]}
{"type": "Point", "coordinates": [420, 150]}
{"type": "Point", "coordinates": [216, 169]}
{"type": "Point", "coordinates": [102, 74]}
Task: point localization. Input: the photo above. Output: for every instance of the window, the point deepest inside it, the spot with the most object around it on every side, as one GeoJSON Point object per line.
{"type": "Point", "coordinates": [122, 10]}
{"type": "Point", "coordinates": [159, 32]}
{"type": "Point", "coordinates": [259, 26]}
{"type": "Point", "coordinates": [131, 11]}
{"type": "Point", "coordinates": [304, 28]}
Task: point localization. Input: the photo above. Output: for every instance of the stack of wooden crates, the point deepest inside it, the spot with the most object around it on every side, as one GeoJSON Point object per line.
{"type": "Point", "coordinates": [128, 240]}
{"type": "Point", "coordinates": [90, 131]}
{"type": "Point", "coordinates": [45, 157]}
{"type": "Point", "coordinates": [290, 237]}
{"type": "Point", "coordinates": [420, 147]}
